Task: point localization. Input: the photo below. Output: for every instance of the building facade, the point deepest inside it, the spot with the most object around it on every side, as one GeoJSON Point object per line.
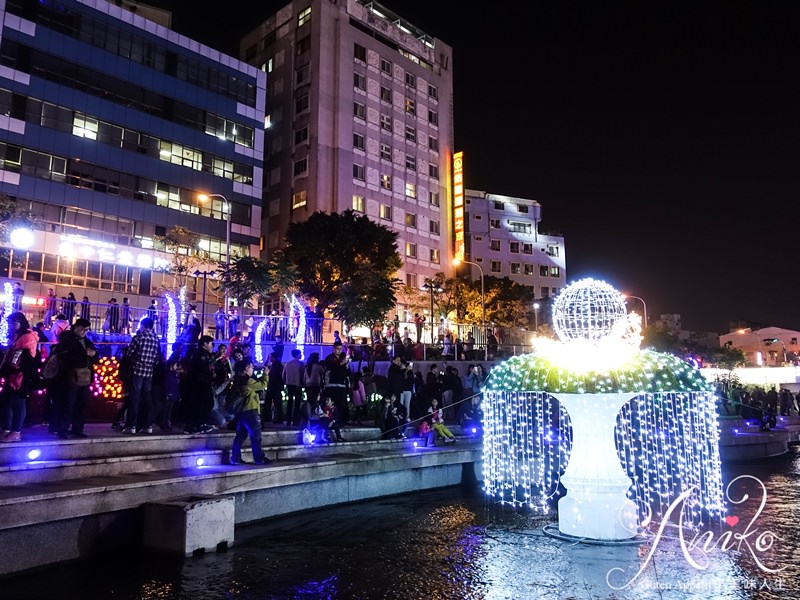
{"type": "Point", "coordinates": [111, 129]}
{"type": "Point", "coordinates": [764, 347]}
{"type": "Point", "coordinates": [359, 117]}
{"type": "Point", "coordinates": [502, 236]}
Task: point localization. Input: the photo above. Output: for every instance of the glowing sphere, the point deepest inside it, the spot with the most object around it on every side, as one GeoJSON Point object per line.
{"type": "Point", "coordinates": [587, 310]}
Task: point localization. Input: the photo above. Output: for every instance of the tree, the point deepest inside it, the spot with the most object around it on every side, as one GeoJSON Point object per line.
{"type": "Point", "coordinates": [183, 245]}
{"type": "Point", "coordinates": [508, 303]}
{"type": "Point", "coordinates": [346, 262]}
{"type": "Point", "coordinates": [246, 277]}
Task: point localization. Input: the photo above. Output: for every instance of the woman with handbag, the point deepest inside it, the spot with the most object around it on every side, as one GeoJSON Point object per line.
{"type": "Point", "coordinates": [17, 369]}
{"type": "Point", "coordinates": [76, 355]}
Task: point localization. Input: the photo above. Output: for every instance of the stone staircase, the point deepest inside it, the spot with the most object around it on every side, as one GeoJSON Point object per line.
{"type": "Point", "coordinates": [81, 497]}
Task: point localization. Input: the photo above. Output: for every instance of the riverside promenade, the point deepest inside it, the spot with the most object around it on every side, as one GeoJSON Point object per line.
{"type": "Point", "coordinates": [64, 500]}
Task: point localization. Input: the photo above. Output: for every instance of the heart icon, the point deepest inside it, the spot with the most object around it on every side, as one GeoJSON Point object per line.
{"type": "Point", "coordinates": [732, 520]}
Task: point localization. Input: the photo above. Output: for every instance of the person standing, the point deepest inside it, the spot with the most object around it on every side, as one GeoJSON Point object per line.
{"type": "Point", "coordinates": [337, 375]}
{"type": "Point", "coordinates": [143, 351]}
{"type": "Point", "coordinates": [419, 321]}
{"type": "Point", "coordinates": [248, 420]}
{"type": "Point", "coordinates": [69, 307]}
{"type": "Point", "coordinates": [313, 378]}
{"type": "Point", "coordinates": [18, 368]}
{"type": "Point", "coordinates": [17, 293]}
{"type": "Point", "coordinates": [51, 307]}
{"type": "Point", "coordinates": [125, 317]}
{"type": "Point", "coordinates": [293, 379]}
{"type": "Point", "coordinates": [220, 322]}
{"type": "Point", "coordinates": [273, 403]}
{"type": "Point", "coordinates": [112, 317]}
{"type": "Point", "coordinates": [86, 309]}
{"type": "Point", "coordinates": [233, 321]}
{"type": "Point", "coordinates": [197, 389]}
{"type": "Point", "coordinates": [76, 354]}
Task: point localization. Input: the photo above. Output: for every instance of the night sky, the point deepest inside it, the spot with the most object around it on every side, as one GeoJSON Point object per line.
{"type": "Point", "coordinates": [661, 140]}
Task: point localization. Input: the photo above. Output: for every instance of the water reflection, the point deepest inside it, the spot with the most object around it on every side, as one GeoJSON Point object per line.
{"type": "Point", "coordinates": [453, 544]}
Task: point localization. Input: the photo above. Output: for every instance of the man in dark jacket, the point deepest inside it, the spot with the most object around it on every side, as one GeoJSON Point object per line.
{"type": "Point", "coordinates": [197, 387]}
{"type": "Point", "coordinates": [75, 351]}
{"type": "Point", "coordinates": [337, 381]}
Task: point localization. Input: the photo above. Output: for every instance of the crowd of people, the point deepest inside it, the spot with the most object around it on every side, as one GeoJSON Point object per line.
{"type": "Point", "coordinates": [191, 386]}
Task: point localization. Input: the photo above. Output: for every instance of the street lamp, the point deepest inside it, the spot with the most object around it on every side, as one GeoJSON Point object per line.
{"type": "Point", "coordinates": [536, 316]}
{"type": "Point", "coordinates": [644, 313]}
{"type": "Point", "coordinates": [431, 286]}
{"type": "Point", "coordinates": [456, 262]}
{"type": "Point", "coordinates": [205, 275]}
{"type": "Point", "coordinates": [227, 210]}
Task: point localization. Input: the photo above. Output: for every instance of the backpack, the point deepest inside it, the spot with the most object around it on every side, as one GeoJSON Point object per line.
{"type": "Point", "coordinates": [235, 398]}
{"type": "Point", "coordinates": [52, 366]}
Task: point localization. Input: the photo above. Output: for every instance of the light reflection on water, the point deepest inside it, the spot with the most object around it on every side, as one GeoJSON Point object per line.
{"type": "Point", "coordinates": [454, 544]}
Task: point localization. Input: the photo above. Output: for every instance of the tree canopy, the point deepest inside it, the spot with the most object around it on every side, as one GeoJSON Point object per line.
{"type": "Point", "coordinates": [347, 263]}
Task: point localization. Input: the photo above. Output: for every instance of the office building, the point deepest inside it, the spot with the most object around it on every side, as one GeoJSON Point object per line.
{"type": "Point", "coordinates": [359, 116]}
{"type": "Point", "coordinates": [112, 127]}
{"type": "Point", "coordinates": [502, 235]}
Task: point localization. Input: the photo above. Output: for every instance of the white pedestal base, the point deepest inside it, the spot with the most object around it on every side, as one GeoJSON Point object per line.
{"type": "Point", "coordinates": [596, 505]}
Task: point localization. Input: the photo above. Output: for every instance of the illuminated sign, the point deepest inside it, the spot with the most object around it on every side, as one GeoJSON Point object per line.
{"type": "Point", "coordinates": [458, 204]}
{"type": "Point", "coordinates": [75, 246]}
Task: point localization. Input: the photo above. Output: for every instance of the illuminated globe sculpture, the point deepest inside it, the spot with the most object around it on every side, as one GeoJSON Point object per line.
{"type": "Point", "coordinates": [625, 431]}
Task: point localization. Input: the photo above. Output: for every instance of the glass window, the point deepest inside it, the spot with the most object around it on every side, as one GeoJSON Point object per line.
{"type": "Point", "coordinates": [386, 95]}
{"type": "Point", "coordinates": [358, 141]}
{"type": "Point", "coordinates": [411, 79]}
{"type": "Point", "coordinates": [555, 271]}
{"type": "Point", "coordinates": [411, 250]}
{"type": "Point", "coordinates": [433, 91]}
{"type": "Point", "coordinates": [516, 268]}
{"type": "Point", "coordinates": [360, 52]}
{"type": "Point", "coordinates": [411, 107]}
{"type": "Point", "coordinates": [494, 245]}
{"type": "Point", "coordinates": [543, 270]}
{"type": "Point", "coordinates": [359, 110]}
{"type": "Point", "coordinates": [527, 249]}
{"type": "Point", "coordinates": [411, 162]}
{"type": "Point", "coordinates": [359, 81]}
{"type": "Point", "coordinates": [386, 66]}
{"type": "Point", "coordinates": [433, 171]}
{"type": "Point", "coordinates": [434, 255]}
{"type": "Point", "coordinates": [495, 266]}
{"type": "Point", "coordinates": [411, 190]}
{"type": "Point", "coordinates": [386, 122]}
{"type": "Point", "coordinates": [301, 166]}
{"type": "Point", "coordinates": [434, 227]}
{"type": "Point", "coordinates": [358, 203]}
{"type": "Point", "coordinates": [386, 212]}
{"type": "Point", "coordinates": [433, 117]}
{"type": "Point", "coordinates": [433, 198]}
{"type": "Point", "coordinates": [386, 181]}
{"type": "Point", "coordinates": [299, 199]}
{"type": "Point", "coordinates": [513, 247]}
{"type": "Point", "coordinates": [386, 152]}
{"type": "Point", "coordinates": [303, 17]}
{"type": "Point", "coordinates": [358, 172]}
{"type": "Point", "coordinates": [411, 134]}
{"type": "Point", "coordinates": [411, 220]}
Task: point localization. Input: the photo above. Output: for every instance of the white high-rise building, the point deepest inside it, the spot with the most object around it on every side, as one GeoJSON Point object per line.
{"type": "Point", "coordinates": [359, 116]}
{"type": "Point", "coordinates": [502, 236]}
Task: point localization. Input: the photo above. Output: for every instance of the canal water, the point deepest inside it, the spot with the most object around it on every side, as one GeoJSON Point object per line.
{"type": "Point", "coordinates": [454, 543]}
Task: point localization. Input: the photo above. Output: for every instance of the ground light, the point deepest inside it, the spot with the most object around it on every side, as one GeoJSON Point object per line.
{"type": "Point", "coordinates": [637, 427]}
{"type": "Point", "coordinates": [200, 462]}
{"type": "Point", "coordinates": [34, 454]}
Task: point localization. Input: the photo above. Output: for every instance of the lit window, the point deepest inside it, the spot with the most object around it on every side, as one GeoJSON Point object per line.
{"type": "Point", "coordinates": [411, 107]}
{"type": "Point", "coordinates": [411, 250]}
{"type": "Point", "coordinates": [411, 220]}
{"type": "Point", "coordinates": [358, 203]}
{"type": "Point", "coordinates": [411, 280]}
{"type": "Point", "coordinates": [386, 181]}
{"type": "Point", "coordinates": [411, 190]}
{"type": "Point", "coordinates": [304, 17]}
{"type": "Point", "coordinates": [299, 199]}
{"type": "Point", "coordinates": [555, 271]}
{"type": "Point", "coordinates": [434, 255]}
{"type": "Point", "coordinates": [386, 212]}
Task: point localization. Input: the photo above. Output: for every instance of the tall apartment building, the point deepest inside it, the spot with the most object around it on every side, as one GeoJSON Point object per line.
{"type": "Point", "coordinates": [360, 116]}
{"type": "Point", "coordinates": [502, 236]}
{"type": "Point", "coordinates": [111, 127]}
